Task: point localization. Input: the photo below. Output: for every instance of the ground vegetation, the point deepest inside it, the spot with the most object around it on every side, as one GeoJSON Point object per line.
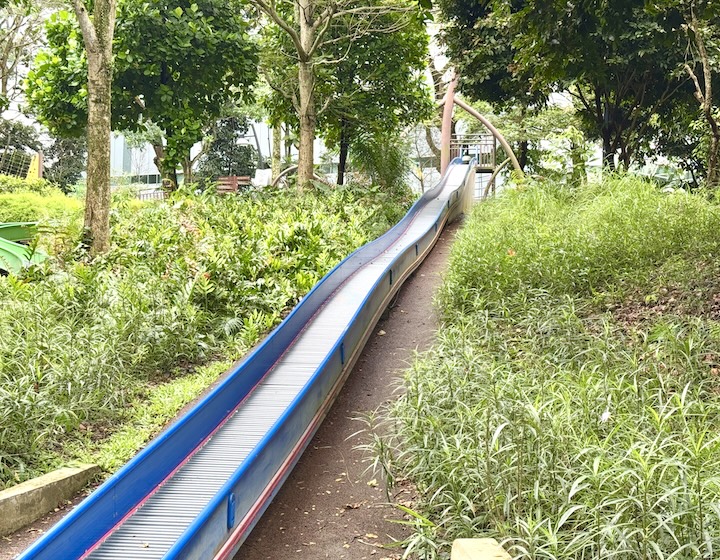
{"type": "Point", "coordinates": [186, 282]}
{"type": "Point", "coordinates": [570, 406]}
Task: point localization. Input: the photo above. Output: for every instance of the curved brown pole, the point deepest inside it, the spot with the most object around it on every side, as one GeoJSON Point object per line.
{"type": "Point", "coordinates": [446, 130]}
{"type": "Point", "coordinates": [493, 176]}
{"type": "Point", "coordinates": [495, 132]}
{"type": "Point", "coordinates": [290, 170]}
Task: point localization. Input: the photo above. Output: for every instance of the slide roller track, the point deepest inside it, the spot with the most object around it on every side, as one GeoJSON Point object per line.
{"type": "Point", "coordinates": [197, 489]}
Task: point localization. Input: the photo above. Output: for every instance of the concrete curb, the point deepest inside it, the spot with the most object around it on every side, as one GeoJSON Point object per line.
{"type": "Point", "coordinates": [478, 549]}
{"type": "Point", "coordinates": [22, 504]}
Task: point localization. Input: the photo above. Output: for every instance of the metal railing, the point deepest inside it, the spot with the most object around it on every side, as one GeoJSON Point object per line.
{"type": "Point", "coordinates": [482, 147]}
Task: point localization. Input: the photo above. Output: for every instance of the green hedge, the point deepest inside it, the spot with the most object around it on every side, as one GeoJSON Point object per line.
{"type": "Point", "coordinates": [29, 206]}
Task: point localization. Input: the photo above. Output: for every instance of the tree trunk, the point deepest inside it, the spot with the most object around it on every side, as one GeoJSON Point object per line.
{"type": "Point", "coordinates": [608, 155]}
{"type": "Point", "coordinates": [261, 163]}
{"type": "Point", "coordinates": [344, 148]}
{"type": "Point", "coordinates": [187, 170]}
{"type": "Point", "coordinates": [433, 147]}
{"type": "Point", "coordinates": [159, 150]}
{"type": "Point", "coordinates": [97, 197]}
{"type": "Point", "coordinates": [276, 144]}
{"type": "Point", "coordinates": [307, 124]}
{"type": "Point", "coordinates": [167, 173]}
{"type": "Point", "coordinates": [579, 172]}
{"type": "Point", "coordinates": [705, 96]}
{"type": "Point", "coordinates": [712, 171]}
{"type": "Point", "coordinates": [98, 36]}
{"type": "Point", "coordinates": [625, 156]}
{"type": "Point", "coordinates": [169, 178]}
{"type": "Point", "coordinates": [288, 144]}
{"type": "Point", "coordinates": [305, 15]}
{"type": "Point", "coordinates": [523, 149]}
{"type": "Point", "coordinates": [168, 170]}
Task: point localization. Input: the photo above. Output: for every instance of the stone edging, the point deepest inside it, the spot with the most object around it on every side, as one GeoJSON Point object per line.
{"type": "Point", "coordinates": [24, 503]}
{"type": "Point", "coordinates": [478, 549]}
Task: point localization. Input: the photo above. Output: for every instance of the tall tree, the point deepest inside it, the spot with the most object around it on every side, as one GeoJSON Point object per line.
{"type": "Point", "coordinates": [703, 57]}
{"type": "Point", "coordinates": [97, 33]}
{"type": "Point", "coordinates": [228, 153]}
{"type": "Point", "coordinates": [64, 161]}
{"type": "Point", "coordinates": [617, 58]}
{"type": "Point", "coordinates": [20, 35]}
{"type": "Point", "coordinates": [478, 38]}
{"type": "Point", "coordinates": [307, 23]}
{"type": "Point", "coordinates": [177, 65]}
{"type": "Point", "coordinates": [377, 85]}
{"type": "Point", "coordinates": [20, 136]}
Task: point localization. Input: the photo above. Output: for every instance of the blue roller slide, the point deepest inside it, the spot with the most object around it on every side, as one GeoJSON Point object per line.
{"type": "Point", "coordinates": [197, 490]}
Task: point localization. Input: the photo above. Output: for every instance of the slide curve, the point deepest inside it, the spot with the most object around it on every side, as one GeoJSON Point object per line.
{"type": "Point", "coordinates": [197, 489]}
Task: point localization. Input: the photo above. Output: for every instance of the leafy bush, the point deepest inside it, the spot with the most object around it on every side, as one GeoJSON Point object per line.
{"type": "Point", "coordinates": [190, 280]}
{"type": "Point", "coordinates": [29, 206]}
{"type": "Point", "coordinates": [10, 184]}
{"type": "Point", "coordinates": [548, 415]}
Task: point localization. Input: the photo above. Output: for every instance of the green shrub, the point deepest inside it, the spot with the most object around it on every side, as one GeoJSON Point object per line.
{"type": "Point", "coordinates": [10, 184]}
{"type": "Point", "coordinates": [187, 281]}
{"type": "Point", "coordinates": [577, 242]}
{"type": "Point", "coordinates": [564, 427]}
{"type": "Point", "coordinates": [28, 206]}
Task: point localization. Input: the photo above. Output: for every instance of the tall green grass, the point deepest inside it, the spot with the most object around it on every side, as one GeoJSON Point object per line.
{"type": "Point", "coordinates": [192, 280]}
{"type": "Point", "coordinates": [565, 410]}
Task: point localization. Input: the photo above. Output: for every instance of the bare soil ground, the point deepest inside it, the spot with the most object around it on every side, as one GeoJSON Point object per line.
{"type": "Point", "coordinates": [331, 506]}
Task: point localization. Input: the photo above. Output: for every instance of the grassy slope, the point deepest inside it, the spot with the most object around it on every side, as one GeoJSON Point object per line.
{"type": "Point", "coordinates": [571, 404]}
{"type": "Point", "coordinates": [97, 356]}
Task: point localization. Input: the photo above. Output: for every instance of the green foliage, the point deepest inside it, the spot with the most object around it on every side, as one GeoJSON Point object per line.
{"type": "Point", "coordinates": [186, 61]}
{"type": "Point", "coordinates": [548, 141]}
{"type": "Point", "coordinates": [10, 184]}
{"type": "Point", "coordinates": [65, 161]}
{"type": "Point", "coordinates": [620, 60]}
{"type": "Point", "coordinates": [378, 86]}
{"type": "Point", "coordinates": [175, 66]}
{"type": "Point", "coordinates": [478, 41]}
{"type": "Point", "coordinates": [187, 281]}
{"type": "Point", "coordinates": [56, 86]}
{"type": "Point", "coordinates": [369, 82]}
{"type": "Point", "coordinates": [27, 206]}
{"type": "Point", "coordinates": [383, 158]}
{"type": "Point", "coordinates": [548, 238]}
{"type": "Point", "coordinates": [226, 155]}
{"type": "Point", "coordinates": [566, 410]}
{"type": "Point", "coordinates": [17, 135]}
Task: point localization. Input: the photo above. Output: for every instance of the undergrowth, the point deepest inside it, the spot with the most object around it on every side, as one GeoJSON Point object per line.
{"type": "Point", "coordinates": [189, 281]}
{"type": "Point", "coordinates": [547, 415]}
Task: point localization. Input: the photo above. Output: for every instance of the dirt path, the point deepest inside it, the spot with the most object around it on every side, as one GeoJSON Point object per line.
{"type": "Point", "coordinates": [327, 509]}
{"type": "Point", "coordinates": [331, 506]}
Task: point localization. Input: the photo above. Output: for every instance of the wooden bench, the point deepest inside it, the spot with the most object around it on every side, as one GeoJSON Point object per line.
{"type": "Point", "coordinates": [231, 183]}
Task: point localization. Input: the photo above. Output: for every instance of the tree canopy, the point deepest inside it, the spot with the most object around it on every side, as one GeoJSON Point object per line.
{"type": "Point", "coordinates": [368, 78]}
{"type": "Point", "coordinates": [176, 65]}
{"type": "Point", "coordinates": [305, 38]}
{"type": "Point", "coordinates": [619, 59]}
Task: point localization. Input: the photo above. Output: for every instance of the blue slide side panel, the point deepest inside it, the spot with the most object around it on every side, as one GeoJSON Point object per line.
{"type": "Point", "coordinates": [124, 491]}
{"type": "Point", "coordinates": [209, 531]}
